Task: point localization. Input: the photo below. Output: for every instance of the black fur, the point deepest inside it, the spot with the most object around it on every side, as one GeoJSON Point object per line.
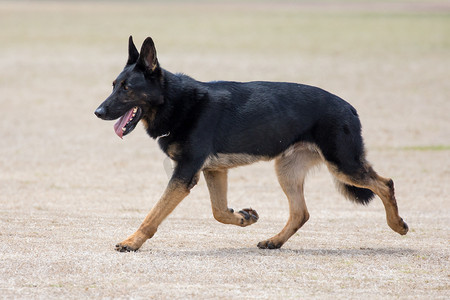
{"type": "Point", "coordinates": [363, 196]}
{"type": "Point", "coordinates": [259, 118]}
{"type": "Point", "coordinates": [355, 194]}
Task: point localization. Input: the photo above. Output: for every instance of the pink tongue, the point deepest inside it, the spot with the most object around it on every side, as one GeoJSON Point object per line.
{"type": "Point", "coordinates": [122, 122]}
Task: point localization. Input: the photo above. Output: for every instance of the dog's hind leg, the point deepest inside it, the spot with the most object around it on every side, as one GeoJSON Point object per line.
{"type": "Point", "coordinates": [342, 147]}
{"type": "Point", "coordinates": [291, 169]}
{"type": "Point", "coordinates": [366, 177]}
{"type": "Point", "coordinates": [217, 186]}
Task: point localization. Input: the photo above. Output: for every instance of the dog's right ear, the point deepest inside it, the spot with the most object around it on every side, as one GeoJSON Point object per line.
{"type": "Point", "coordinates": [133, 53]}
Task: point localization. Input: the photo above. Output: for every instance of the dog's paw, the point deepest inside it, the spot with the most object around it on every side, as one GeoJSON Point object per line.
{"type": "Point", "coordinates": [132, 243]}
{"type": "Point", "coordinates": [125, 248]}
{"type": "Point", "coordinates": [249, 216]}
{"type": "Point", "coordinates": [269, 245]}
{"type": "Point", "coordinates": [399, 226]}
{"type": "Point", "coordinates": [403, 227]}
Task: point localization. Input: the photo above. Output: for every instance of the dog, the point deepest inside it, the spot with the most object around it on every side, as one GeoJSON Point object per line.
{"type": "Point", "coordinates": [211, 127]}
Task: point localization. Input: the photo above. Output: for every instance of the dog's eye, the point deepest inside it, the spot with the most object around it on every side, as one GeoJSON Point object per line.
{"type": "Point", "coordinates": [124, 85]}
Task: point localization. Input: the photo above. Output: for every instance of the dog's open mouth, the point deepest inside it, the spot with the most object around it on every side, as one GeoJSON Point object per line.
{"type": "Point", "coordinates": [128, 121]}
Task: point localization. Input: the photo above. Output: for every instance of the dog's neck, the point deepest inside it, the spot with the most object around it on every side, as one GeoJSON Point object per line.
{"type": "Point", "coordinates": [181, 91]}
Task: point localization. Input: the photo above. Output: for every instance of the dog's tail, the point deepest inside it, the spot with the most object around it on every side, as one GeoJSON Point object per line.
{"type": "Point", "coordinates": [355, 194]}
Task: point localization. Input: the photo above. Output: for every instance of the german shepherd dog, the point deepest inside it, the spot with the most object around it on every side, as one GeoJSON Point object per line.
{"type": "Point", "coordinates": [211, 127]}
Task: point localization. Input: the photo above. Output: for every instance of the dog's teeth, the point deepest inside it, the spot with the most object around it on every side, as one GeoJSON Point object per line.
{"type": "Point", "coordinates": [123, 129]}
{"type": "Point", "coordinates": [135, 110]}
{"type": "Point", "coordinates": [133, 115]}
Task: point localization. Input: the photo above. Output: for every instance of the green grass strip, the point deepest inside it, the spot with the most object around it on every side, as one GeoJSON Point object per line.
{"type": "Point", "coordinates": [427, 148]}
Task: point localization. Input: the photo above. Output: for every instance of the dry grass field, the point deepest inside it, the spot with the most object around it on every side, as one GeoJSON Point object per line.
{"type": "Point", "coordinates": [70, 189]}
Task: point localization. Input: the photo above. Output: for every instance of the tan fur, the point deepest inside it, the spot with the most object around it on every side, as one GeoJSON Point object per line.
{"type": "Point", "coordinates": [217, 185]}
{"type": "Point", "coordinates": [174, 151]}
{"type": "Point", "coordinates": [174, 193]}
{"type": "Point", "coordinates": [151, 118]}
{"type": "Point", "coordinates": [382, 187]}
{"type": "Point", "coordinates": [228, 161]}
{"type": "Point", "coordinates": [291, 168]}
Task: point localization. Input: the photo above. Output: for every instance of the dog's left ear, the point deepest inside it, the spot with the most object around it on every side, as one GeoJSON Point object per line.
{"type": "Point", "coordinates": [147, 58]}
{"type": "Point", "coordinates": [133, 54]}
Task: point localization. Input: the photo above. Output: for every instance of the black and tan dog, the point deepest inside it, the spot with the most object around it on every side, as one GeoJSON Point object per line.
{"type": "Point", "coordinates": [211, 127]}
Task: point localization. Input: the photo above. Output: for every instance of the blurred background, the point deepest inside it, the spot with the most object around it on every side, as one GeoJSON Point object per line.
{"type": "Point", "coordinates": [60, 165]}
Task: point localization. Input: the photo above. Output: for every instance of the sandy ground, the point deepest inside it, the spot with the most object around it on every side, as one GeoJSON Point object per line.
{"type": "Point", "coordinates": [70, 189]}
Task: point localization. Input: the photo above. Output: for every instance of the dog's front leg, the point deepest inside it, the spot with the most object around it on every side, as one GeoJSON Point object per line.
{"type": "Point", "coordinates": [176, 191]}
{"type": "Point", "coordinates": [217, 185]}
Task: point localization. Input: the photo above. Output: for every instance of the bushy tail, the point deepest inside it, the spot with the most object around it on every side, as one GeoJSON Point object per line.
{"type": "Point", "coordinates": [355, 194]}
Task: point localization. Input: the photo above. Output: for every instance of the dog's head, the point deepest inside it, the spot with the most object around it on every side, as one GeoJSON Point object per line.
{"type": "Point", "coordinates": [136, 90]}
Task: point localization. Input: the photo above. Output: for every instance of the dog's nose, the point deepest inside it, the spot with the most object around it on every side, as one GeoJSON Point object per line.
{"type": "Point", "coordinates": [100, 112]}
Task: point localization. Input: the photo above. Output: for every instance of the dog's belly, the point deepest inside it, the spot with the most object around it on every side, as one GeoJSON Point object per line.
{"type": "Point", "coordinates": [227, 161]}
{"type": "Point", "coordinates": [303, 150]}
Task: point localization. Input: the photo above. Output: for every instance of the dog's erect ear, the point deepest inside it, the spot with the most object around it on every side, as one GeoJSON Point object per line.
{"type": "Point", "coordinates": [133, 54]}
{"type": "Point", "coordinates": [147, 57]}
